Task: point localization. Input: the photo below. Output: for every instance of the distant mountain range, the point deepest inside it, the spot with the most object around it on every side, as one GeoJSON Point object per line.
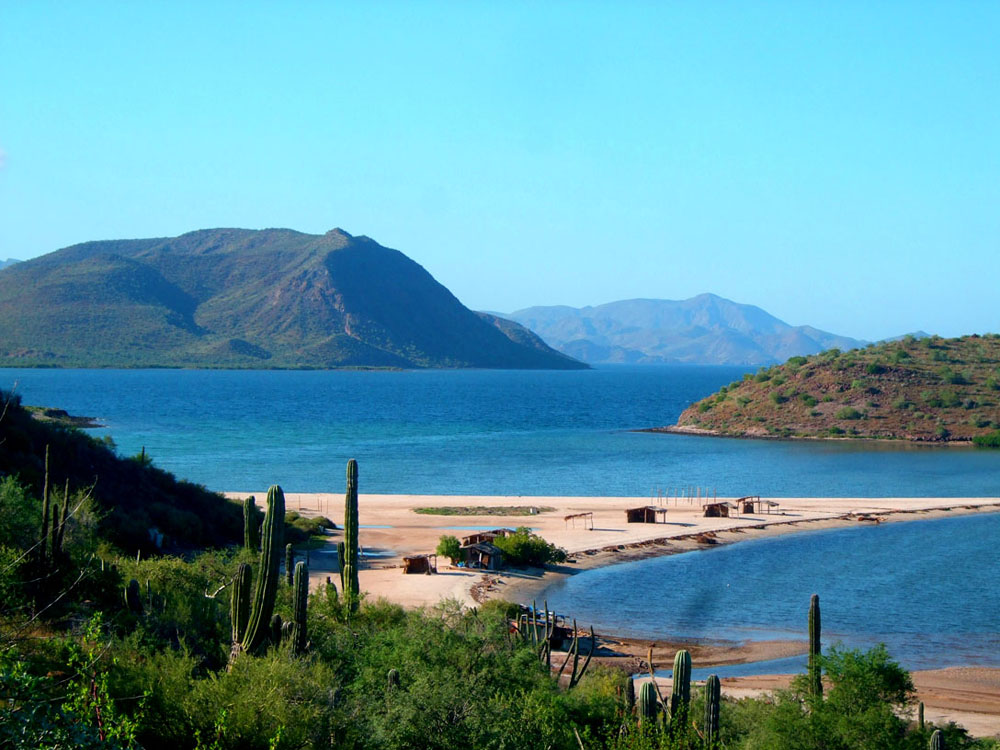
{"type": "Point", "coordinates": [8, 262]}
{"type": "Point", "coordinates": [706, 329]}
{"type": "Point", "coordinates": [245, 298]}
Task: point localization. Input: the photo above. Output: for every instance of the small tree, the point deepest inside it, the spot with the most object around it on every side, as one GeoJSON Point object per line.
{"type": "Point", "coordinates": [450, 547]}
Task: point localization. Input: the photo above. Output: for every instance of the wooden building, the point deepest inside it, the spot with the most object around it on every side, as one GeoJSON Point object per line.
{"type": "Point", "coordinates": [483, 555]}
{"type": "Point", "coordinates": [426, 564]}
{"type": "Point", "coordinates": [485, 536]}
{"type": "Point", "coordinates": [717, 510]}
{"type": "Point", "coordinates": [646, 514]}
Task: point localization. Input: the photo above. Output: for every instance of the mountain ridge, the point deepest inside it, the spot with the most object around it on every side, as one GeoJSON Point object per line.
{"type": "Point", "coordinates": [705, 329]}
{"type": "Point", "coordinates": [247, 298]}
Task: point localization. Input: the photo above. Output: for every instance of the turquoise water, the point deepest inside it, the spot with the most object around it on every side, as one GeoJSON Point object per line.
{"type": "Point", "coordinates": [476, 432]}
{"type": "Point", "coordinates": [925, 588]}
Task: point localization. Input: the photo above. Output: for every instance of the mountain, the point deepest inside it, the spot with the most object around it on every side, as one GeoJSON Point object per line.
{"type": "Point", "coordinates": [245, 298]}
{"type": "Point", "coordinates": [929, 389]}
{"type": "Point", "coordinates": [706, 329]}
{"type": "Point", "coordinates": [8, 262]}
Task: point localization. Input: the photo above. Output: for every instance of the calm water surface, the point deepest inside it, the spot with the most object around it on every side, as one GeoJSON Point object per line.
{"type": "Point", "coordinates": [925, 588]}
{"type": "Point", "coordinates": [476, 432]}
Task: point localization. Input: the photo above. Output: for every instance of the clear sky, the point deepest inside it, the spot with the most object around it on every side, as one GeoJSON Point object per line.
{"type": "Point", "coordinates": [837, 164]}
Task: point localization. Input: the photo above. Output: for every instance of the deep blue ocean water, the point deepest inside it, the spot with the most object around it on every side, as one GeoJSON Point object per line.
{"type": "Point", "coordinates": [476, 432]}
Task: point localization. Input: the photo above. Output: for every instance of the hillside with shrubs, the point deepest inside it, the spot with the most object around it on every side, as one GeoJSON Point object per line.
{"type": "Point", "coordinates": [926, 390]}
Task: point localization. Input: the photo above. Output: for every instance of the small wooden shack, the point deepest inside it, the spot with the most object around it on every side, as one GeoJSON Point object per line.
{"type": "Point", "coordinates": [646, 514]}
{"type": "Point", "coordinates": [426, 564]}
{"type": "Point", "coordinates": [485, 536]}
{"type": "Point", "coordinates": [483, 555]}
{"type": "Point", "coordinates": [717, 510]}
{"type": "Point", "coordinates": [753, 504]}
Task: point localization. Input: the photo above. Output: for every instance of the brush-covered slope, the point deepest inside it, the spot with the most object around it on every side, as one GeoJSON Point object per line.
{"type": "Point", "coordinates": [245, 298]}
{"type": "Point", "coordinates": [131, 496]}
{"type": "Point", "coordinates": [930, 389]}
{"type": "Point", "coordinates": [706, 329]}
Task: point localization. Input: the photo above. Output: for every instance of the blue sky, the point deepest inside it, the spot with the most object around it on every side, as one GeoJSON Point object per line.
{"type": "Point", "coordinates": [837, 164]}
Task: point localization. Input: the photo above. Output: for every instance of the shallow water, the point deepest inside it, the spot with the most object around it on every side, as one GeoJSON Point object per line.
{"type": "Point", "coordinates": [925, 588]}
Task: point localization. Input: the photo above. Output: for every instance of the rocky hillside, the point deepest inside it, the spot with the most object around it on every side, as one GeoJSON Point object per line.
{"type": "Point", "coordinates": [243, 298]}
{"type": "Point", "coordinates": [930, 389]}
{"type": "Point", "coordinates": [706, 329]}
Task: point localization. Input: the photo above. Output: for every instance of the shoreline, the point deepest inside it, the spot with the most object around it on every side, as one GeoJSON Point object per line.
{"type": "Point", "coordinates": [690, 430]}
{"type": "Point", "coordinates": [390, 529]}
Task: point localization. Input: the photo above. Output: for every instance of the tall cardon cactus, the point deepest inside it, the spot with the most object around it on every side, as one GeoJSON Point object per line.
{"type": "Point", "coordinates": [300, 603]}
{"type": "Point", "coordinates": [937, 740]}
{"type": "Point", "coordinates": [289, 564]}
{"type": "Point", "coordinates": [251, 526]}
{"type": "Point", "coordinates": [349, 562]}
{"type": "Point", "coordinates": [680, 691]}
{"type": "Point", "coordinates": [239, 607]}
{"type": "Point", "coordinates": [713, 697]}
{"type": "Point", "coordinates": [815, 670]}
{"type": "Point", "coordinates": [648, 704]}
{"type": "Point", "coordinates": [256, 634]}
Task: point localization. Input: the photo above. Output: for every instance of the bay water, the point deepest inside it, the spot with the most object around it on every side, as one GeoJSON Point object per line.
{"type": "Point", "coordinates": [923, 587]}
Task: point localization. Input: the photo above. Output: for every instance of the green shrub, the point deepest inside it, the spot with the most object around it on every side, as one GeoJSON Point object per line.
{"type": "Point", "coordinates": [526, 548]}
{"type": "Point", "coordinates": [795, 362]}
{"type": "Point", "coordinates": [778, 398]}
{"type": "Point", "coordinates": [902, 403]}
{"type": "Point", "coordinates": [874, 368]}
{"type": "Point", "coordinates": [450, 547]}
{"type": "Point", "coordinates": [809, 400]}
{"type": "Point", "coordinates": [991, 440]}
{"type": "Point", "coordinates": [848, 412]}
{"type": "Point", "coordinates": [704, 406]}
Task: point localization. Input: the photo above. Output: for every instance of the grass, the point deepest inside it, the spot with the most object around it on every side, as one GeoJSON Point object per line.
{"type": "Point", "coordinates": [483, 510]}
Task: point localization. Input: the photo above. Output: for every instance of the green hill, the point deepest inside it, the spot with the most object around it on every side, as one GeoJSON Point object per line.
{"type": "Point", "coordinates": [930, 389]}
{"type": "Point", "coordinates": [243, 298]}
{"type": "Point", "coordinates": [131, 496]}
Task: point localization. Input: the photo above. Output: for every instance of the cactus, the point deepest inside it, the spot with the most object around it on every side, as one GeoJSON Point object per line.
{"type": "Point", "coordinates": [58, 534]}
{"type": "Point", "coordinates": [275, 629]}
{"type": "Point", "coordinates": [920, 716]}
{"type": "Point", "coordinates": [54, 533]}
{"type": "Point", "coordinates": [349, 563]}
{"type": "Point", "coordinates": [267, 577]}
{"type": "Point", "coordinates": [341, 558]}
{"type": "Point", "coordinates": [289, 563]}
{"type": "Point", "coordinates": [133, 597]}
{"type": "Point", "coordinates": [713, 695]}
{"type": "Point", "coordinates": [648, 705]}
{"type": "Point", "coordinates": [300, 604]}
{"type": "Point", "coordinates": [815, 670]}
{"type": "Point", "coordinates": [680, 691]}
{"type": "Point", "coordinates": [937, 741]}
{"type": "Point", "coordinates": [393, 679]}
{"type": "Point", "coordinates": [239, 605]}
{"type": "Point", "coordinates": [251, 528]}
{"type": "Point", "coordinates": [630, 694]}
{"type": "Point", "coordinates": [44, 536]}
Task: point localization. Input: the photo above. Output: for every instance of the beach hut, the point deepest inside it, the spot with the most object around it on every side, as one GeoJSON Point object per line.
{"type": "Point", "coordinates": [646, 514]}
{"type": "Point", "coordinates": [485, 536]}
{"type": "Point", "coordinates": [717, 510]}
{"type": "Point", "coordinates": [426, 564]}
{"type": "Point", "coordinates": [483, 555]}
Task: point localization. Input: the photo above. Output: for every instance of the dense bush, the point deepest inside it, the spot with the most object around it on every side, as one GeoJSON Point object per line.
{"type": "Point", "coordinates": [525, 548]}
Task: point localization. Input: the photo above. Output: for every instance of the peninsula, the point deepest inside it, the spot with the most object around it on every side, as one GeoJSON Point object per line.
{"type": "Point", "coordinates": [927, 390]}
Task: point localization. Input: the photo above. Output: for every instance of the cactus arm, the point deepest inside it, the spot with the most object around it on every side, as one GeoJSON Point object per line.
{"type": "Point", "coordinates": [680, 691]}
{"type": "Point", "coordinates": [300, 607]}
{"type": "Point", "coordinates": [267, 580]}
{"type": "Point", "coordinates": [289, 564]}
{"type": "Point", "coordinates": [44, 540]}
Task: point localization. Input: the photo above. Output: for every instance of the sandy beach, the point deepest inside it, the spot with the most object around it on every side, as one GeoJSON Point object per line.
{"type": "Point", "coordinates": [391, 529]}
